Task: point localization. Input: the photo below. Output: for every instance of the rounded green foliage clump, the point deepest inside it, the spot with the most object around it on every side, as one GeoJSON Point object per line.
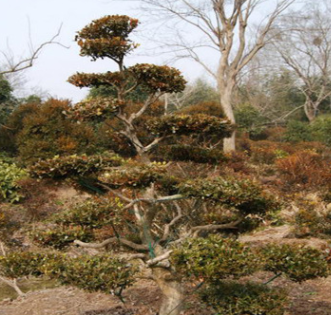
{"type": "Point", "coordinates": [107, 37]}
{"type": "Point", "coordinates": [297, 262]}
{"type": "Point", "coordinates": [95, 109]}
{"type": "Point", "coordinates": [73, 165]}
{"type": "Point", "coordinates": [92, 213]}
{"type": "Point", "coordinates": [97, 273]}
{"type": "Point", "coordinates": [158, 78]}
{"type": "Point", "coordinates": [22, 264]}
{"type": "Point", "coordinates": [233, 298]}
{"type": "Point", "coordinates": [133, 176]}
{"type": "Point", "coordinates": [308, 222]}
{"type": "Point", "coordinates": [244, 195]}
{"type": "Point", "coordinates": [10, 174]}
{"type": "Point", "coordinates": [214, 259]}
{"type": "Point", "coordinates": [60, 237]}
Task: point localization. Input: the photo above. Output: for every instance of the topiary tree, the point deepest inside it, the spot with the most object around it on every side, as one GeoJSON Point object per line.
{"type": "Point", "coordinates": [152, 210]}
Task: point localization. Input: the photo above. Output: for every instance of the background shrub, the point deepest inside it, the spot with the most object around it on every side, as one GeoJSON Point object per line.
{"type": "Point", "coordinates": [297, 131]}
{"type": "Point", "coordinates": [10, 174]}
{"type": "Point", "coordinates": [43, 130]}
{"type": "Point", "coordinates": [305, 168]}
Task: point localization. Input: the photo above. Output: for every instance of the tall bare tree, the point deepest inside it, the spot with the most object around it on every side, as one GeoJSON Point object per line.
{"type": "Point", "coordinates": [304, 44]}
{"type": "Point", "coordinates": [224, 26]}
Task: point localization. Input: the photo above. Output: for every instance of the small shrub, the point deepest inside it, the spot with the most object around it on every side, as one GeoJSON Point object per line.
{"type": "Point", "coordinates": [73, 165]}
{"type": "Point", "coordinates": [275, 134]}
{"type": "Point", "coordinates": [97, 273]}
{"type": "Point", "coordinates": [233, 298]}
{"type": "Point", "coordinates": [238, 162]}
{"type": "Point", "coordinates": [321, 129]}
{"type": "Point", "coordinates": [46, 132]}
{"type": "Point", "coordinates": [21, 264]}
{"type": "Point", "coordinates": [250, 120]}
{"type": "Point", "coordinates": [308, 222]}
{"type": "Point", "coordinates": [60, 237]}
{"type": "Point", "coordinates": [215, 258]}
{"type": "Point", "coordinates": [134, 175]}
{"type": "Point", "coordinates": [266, 152]}
{"type": "Point", "coordinates": [244, 195]}
{"type": "Point", "coordinates": [93, 214]}
{"type": "Point", "coordinates": [297, 131]}
{"type": "Point", "coordinates": [10, 174]}
{"type": "Point", "coordinates": [305, 168]}
{"type": "Point", "coordinates": [297, 262]}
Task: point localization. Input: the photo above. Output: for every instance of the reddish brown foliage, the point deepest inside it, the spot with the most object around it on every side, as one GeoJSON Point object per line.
{"type": "Point", "coordinates": [305, 168]}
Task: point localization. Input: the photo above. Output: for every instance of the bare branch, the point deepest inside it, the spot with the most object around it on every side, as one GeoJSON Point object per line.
{"type": "Point", "coordinates": [13, 284]}
{"type": "Point", "coordinates": [172, 223]}
{"type": "Point", "coordinates": [213, 227]}
{"type": "Point", "coordinates": [158, 259]}
{"type": "Point", "coordinates": [112, 240]}
{"type": "Point", "coordinates": [28, 62]}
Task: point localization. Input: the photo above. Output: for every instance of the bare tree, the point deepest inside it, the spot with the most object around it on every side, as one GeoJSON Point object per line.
{"type": "Point", "coordinates": [304, 44]}
{"type": "Point", "coordinates": [10, 65]}
{"type": "Point", "coordinates": [224, 26]}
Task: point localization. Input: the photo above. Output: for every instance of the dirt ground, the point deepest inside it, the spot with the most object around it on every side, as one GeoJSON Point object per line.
{"type": "Point", "coordinates": [143, 298]}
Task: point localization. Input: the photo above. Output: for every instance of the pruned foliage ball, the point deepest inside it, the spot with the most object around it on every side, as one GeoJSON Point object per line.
{"type": "Point", "coordinates": [215, 258]}
{"type": "Point", "coordinates": [102, 273]}
{"type": "Point", "coordinates": [73, 165]}
{"type": "Point", "coordinates": [22, 264]}
{"type": "Point", "coordinates": [245, 195]}
{"type": "Point", "coordinates": [296, 262]}
{"type": "Point", "coordinates": [92, 213]}
{"type": "Point", "coordinates": [158, 78]}
{"type": "Point", "coordinates": [95, 109]}
{"type": "Point", "coordinates": [134, 175]}
{"type": "Point", "coordinates": [237, 298]}
{"type": "Point", "coordinates": [60, 237]}
{"type": "Point", "coordinates": [107, 37]}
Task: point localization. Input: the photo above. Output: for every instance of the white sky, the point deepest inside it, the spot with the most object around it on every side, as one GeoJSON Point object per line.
{"type": "Point", "coordinates": [56, 63]}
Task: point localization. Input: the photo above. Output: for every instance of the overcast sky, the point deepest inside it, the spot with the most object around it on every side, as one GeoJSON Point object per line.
{"type": "Point", "coordinates": [56, 64]}
{"type": "Point", "coordinates": [40, 21]}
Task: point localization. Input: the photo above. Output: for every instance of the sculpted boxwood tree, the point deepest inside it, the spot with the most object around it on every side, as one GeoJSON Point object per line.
{"type": "Point", "coordinates": [155, 219]}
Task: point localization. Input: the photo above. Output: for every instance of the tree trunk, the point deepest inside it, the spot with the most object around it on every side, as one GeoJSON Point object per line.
{"type": "Point", "coordinates": [172, 291]}
{"type": "Point", "coordinates": [310, 110]}
{"type": "Point", "coordinates": [229, 144]}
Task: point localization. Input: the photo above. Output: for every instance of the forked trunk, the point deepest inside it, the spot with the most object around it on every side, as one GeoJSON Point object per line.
{"type": "Point", "coordinates": [310, 110]}
{"type": "Point", "coordinates": [172, 291]}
